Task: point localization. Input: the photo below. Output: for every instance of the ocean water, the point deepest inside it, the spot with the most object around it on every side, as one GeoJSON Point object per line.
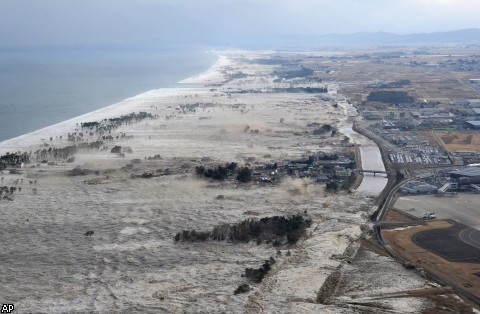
{"type": "Point", "coordinates": [41, 87]}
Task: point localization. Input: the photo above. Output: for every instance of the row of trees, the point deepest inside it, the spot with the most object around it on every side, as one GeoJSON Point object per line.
{"type": "Point", "coordinates": [276, 228]}
{"type": "Point", "coordinates": [308, 90]}
{"type": "Point", "coordinates": [13, 159]}
{"type": "Point", "coordinates": [8, 190]}
{"type": "Point", "coordinates": [391, 97]}
{"type": "Point", "coordinates": [107, 125]}
{"type": "Point", "coordinates": [67, 151]}
{"type": "Point", "coordinates": [302, 72]}
{"type": "Point", "coordinates": [220, 172]}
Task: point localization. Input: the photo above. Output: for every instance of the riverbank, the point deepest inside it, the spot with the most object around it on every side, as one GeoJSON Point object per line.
{"type": "Point", "coordinates": [371, 157]}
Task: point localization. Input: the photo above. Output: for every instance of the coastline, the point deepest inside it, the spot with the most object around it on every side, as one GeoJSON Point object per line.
{"type": "Point", "coordinates": [125, 106]}
{"type": "Point", "coordinates": [212, 75]}
{"type": "Point", "coordinates": [9, 145]}
{"type": "Point", "coordinates": [369, 184]}
{"type": "Point", "coordinates": [49, 98]}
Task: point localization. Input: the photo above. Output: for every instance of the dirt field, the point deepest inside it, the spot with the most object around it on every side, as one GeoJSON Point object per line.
{"type": "Point", "coordinates": [460, 141]}
{"type": "Point", "coordinates": [429, 83]}
{"type": "Point", "coordinates": [394, 215]}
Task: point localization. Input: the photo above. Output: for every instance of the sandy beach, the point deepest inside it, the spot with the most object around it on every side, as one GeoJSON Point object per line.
{"type": "Point", "coordinates": [137, 197]}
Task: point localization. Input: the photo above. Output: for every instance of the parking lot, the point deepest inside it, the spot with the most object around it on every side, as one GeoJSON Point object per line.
{"type": "Point", "coordinates": [419, 157]}
{"type": "Point", "coordinates": [464, 208]}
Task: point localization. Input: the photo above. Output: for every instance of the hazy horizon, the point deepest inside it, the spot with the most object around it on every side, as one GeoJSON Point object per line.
{"type": "Point", "coordinates": [220, 22]}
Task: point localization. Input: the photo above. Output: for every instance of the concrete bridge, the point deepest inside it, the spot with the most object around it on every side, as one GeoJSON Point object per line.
{"type": "Point", "coordinates": [372, 171]}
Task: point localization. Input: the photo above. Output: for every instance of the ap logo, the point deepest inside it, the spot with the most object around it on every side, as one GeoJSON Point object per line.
{"type": "Point", "coordinates": [6, 308]}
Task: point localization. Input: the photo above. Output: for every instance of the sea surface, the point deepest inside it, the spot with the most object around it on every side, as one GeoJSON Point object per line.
{"type": "Point", "coordinates": [41, 87]}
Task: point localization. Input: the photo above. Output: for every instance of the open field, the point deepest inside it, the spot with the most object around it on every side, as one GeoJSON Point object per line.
{"type": "Point", "coordinates": [428, 82]}
{"type": "Point", "coordinates": [462, 208]}
{"type": "Point", "coordinates": [460, 141]}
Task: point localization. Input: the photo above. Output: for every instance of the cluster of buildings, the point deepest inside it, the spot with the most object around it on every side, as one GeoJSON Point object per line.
{"type": "Point", "coordinates": [406, 129]}
{"type": "Point", "coordinates": [321, 167]}
{"type": "Point", "coordinates": [458, 65]}
{"type": "Point", "coordinates": [447, 181]}
{"type": "Point", "coordinates": [418, 187]}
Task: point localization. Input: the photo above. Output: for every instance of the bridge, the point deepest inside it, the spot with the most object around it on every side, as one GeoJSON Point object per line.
{"type": "Point", "coordinates": [372, 171]}
{"type": "Point", "coordinates": [444, 188]}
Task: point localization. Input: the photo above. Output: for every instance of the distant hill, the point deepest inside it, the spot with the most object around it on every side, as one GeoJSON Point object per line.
{"type": "Point", "coordinates": [457, 36]}
{"type": "Point", "coordinates": [471, 36]}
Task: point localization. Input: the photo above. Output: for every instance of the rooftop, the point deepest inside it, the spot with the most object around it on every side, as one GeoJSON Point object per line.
{"type": "Point", "coordinates": [474, 123]}
{"type": "Point", "coordinates": [470, 172]}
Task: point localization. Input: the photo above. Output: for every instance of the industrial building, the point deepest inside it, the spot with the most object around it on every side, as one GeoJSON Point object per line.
{"type": "Point", "coordinates": [469, 175]}
{"type": "Point", "coordinates": [473, 124]}
{"type": "Point", "coordinates": [415, 187]}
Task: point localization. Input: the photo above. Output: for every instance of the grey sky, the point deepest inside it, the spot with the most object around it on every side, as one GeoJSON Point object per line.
{"type": "Point", "coordinates": [45, 22]}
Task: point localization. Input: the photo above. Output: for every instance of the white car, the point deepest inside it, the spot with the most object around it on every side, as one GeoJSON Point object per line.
{"type": "Point", "coordinates": [428, 216]}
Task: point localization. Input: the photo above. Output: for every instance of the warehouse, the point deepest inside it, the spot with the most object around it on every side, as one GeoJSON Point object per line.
{"type": "Point", "coordinates": [417, 187]}
{"type": "Point", "coordinates": [473, 124]}
{"type": "Point", "coordinates": [466, 176]}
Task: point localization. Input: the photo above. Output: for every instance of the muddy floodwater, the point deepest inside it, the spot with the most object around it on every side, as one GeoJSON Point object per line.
{"type": "Point", "coordinates": [136, 201]}
{"type": "Point", "coordinates": [373, 183]}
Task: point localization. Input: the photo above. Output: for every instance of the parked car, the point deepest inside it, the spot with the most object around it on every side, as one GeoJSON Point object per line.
{"type": "Point", "coordinates": [429, 216]}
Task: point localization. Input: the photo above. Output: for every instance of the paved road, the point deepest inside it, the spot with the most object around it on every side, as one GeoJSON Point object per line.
{"type": "Point", "coordinates": [463, 208]}
{"type": "Point", "coordinates": [470, 236]}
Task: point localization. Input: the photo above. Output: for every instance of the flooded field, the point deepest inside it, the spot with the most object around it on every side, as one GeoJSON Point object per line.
{"type": "Point", "coordinates": [132, 262]}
